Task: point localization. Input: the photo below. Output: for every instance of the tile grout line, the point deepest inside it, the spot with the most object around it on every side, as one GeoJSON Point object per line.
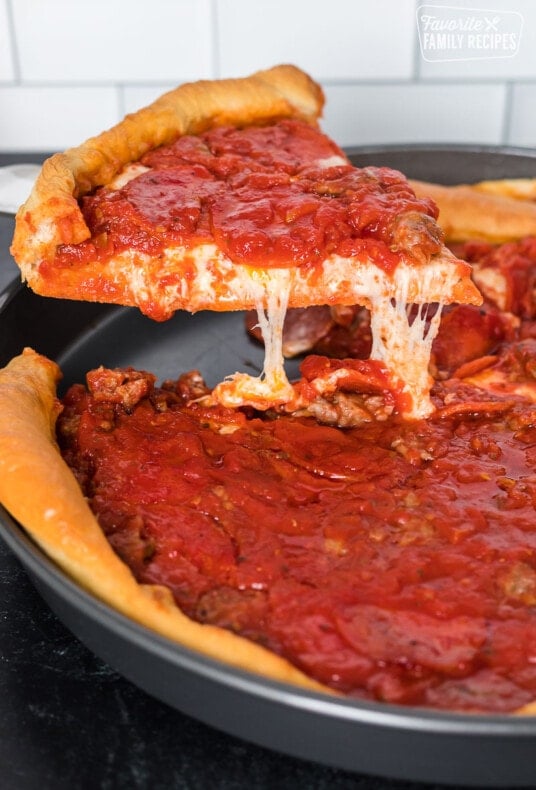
{"type": "Point", "coordinates": [351, 82]}
{"type": "Point", "coordinates": [14, 44]}
{"type": "Point", "coordinates": [507, 112]}
{"type": "Point", "coordinates": [215, 55]}
{"type": "Point", "coordinates": [330, 82]}
{"type": "Point", "coordinates": [120, 97]}
{"type": "Point", "coordinates": [417, 47]}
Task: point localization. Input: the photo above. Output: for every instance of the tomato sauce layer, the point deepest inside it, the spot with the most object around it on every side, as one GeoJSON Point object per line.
{"type": "Point", "coordinates": [393, 562]}
{"type": "Point", "coordinates": [279, 195]}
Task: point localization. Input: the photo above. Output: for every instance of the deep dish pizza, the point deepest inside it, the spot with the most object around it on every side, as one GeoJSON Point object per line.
{"type": "Point", "coordinates": [367, 530]}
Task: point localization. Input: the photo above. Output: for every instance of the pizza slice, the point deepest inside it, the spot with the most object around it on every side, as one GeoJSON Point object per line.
{"type": "Point", "coordinates": [225, 195]}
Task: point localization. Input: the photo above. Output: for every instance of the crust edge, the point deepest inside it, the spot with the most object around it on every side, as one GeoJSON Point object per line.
{"type": "Point", "coordinates": [467, 213]}
{"type": "Point", "coordinates": [51, 215]}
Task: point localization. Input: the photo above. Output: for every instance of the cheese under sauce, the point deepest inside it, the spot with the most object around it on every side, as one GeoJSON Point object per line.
{"type": "Point", "coordinates": [213, 281]}
{"type": "Point", "coordinates": [401, 342]}
{"type": "Point", "coordinates": [272, 387]}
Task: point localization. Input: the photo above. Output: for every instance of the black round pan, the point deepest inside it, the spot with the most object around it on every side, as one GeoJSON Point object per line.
{"type": "Point", "coordinates": [398, 742]}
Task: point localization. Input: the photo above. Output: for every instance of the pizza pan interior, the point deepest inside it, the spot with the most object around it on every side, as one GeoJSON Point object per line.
{"type": "Point", "coordinates": [386, 740]}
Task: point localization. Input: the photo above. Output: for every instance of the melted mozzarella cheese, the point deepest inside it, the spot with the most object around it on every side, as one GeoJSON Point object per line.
{"type": "Point", "coordinates": [498, 381]}
{"type": "Point", "coordinates": [404, 345]}
{"type": "Point", "coordinates": [492, 284]}
{"type": "Point", "coordinates": [204, 278]}
{"type": "Point", "coordinates": [332, 161]}
{"type": "Point", "coordinates": [127, 174]}
{"type": "Point", "coordinates": [272, 387]}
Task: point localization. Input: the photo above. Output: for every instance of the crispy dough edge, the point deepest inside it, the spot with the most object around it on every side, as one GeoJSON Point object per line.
{"type": "Point", "coordinates": [51, 215]}
{"type": "Point", "coordinates": [41, 493]}
{"type": "Point", "coordinates": [466, 212]}
{"type": "Point", "coordinates": [518, 188]}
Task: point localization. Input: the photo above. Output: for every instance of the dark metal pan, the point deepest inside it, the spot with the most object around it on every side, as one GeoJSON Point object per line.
{"type": "Point", "coordinates": [398, 742]}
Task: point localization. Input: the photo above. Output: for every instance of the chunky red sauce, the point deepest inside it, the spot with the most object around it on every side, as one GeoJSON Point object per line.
{"type": "Point", "coordinates": [393, 561]}
{"type": "Point", "coordinates": [264, 196]}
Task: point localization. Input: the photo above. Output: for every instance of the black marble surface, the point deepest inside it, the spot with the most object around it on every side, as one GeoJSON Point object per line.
{"type": "Point", "coordinates": [67, 720]}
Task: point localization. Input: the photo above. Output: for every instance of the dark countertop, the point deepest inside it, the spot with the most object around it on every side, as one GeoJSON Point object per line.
{"type": "Point", "coordinates": [67, 720]}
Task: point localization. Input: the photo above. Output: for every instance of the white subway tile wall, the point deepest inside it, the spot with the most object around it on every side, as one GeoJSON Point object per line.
{"type": "Point", "coordinates": [415, 113]}
{"type": "Point", "coordinates": [334, 40]}
{"type": "Point", "coordinates": [69, 69]}
{"type": "Point", "coordinates": [112, 41]}
{"type": "Point", "coordinates": [50, 118]}
{"type": "Point", "coordinates": [7, 68]}
{"type": "Point", "coordinates": [522, 119]}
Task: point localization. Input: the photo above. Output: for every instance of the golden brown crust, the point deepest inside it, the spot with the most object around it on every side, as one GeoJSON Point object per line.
{"type": "Point", "coordinates": [51, 215]}
{"type": "Point", "coordinates": [518, 188]}
{"type": "Point", "coordinates": [468, 213]}
{"type": "Point", "coordinates": [527, 710]}
{"type": "Point", "coordinates": [39, 490]}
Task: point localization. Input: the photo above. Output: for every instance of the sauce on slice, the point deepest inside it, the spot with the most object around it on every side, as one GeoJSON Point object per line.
{"type": "Point", "coordinates": [273, 196]}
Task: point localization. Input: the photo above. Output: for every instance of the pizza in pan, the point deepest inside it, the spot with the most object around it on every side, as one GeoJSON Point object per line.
{"type": "Point", "coordinates": [367, 530]}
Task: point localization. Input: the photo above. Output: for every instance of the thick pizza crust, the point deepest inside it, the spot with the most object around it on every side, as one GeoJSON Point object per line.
{"type": "Point", "coordinates": [467, 212]}
{"type": "Point", "coordinates": [518, 188]}
{"type": "Point", "coordinates": [40, 491]}
{"type": "Point", "coordinates": [51, 215]}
